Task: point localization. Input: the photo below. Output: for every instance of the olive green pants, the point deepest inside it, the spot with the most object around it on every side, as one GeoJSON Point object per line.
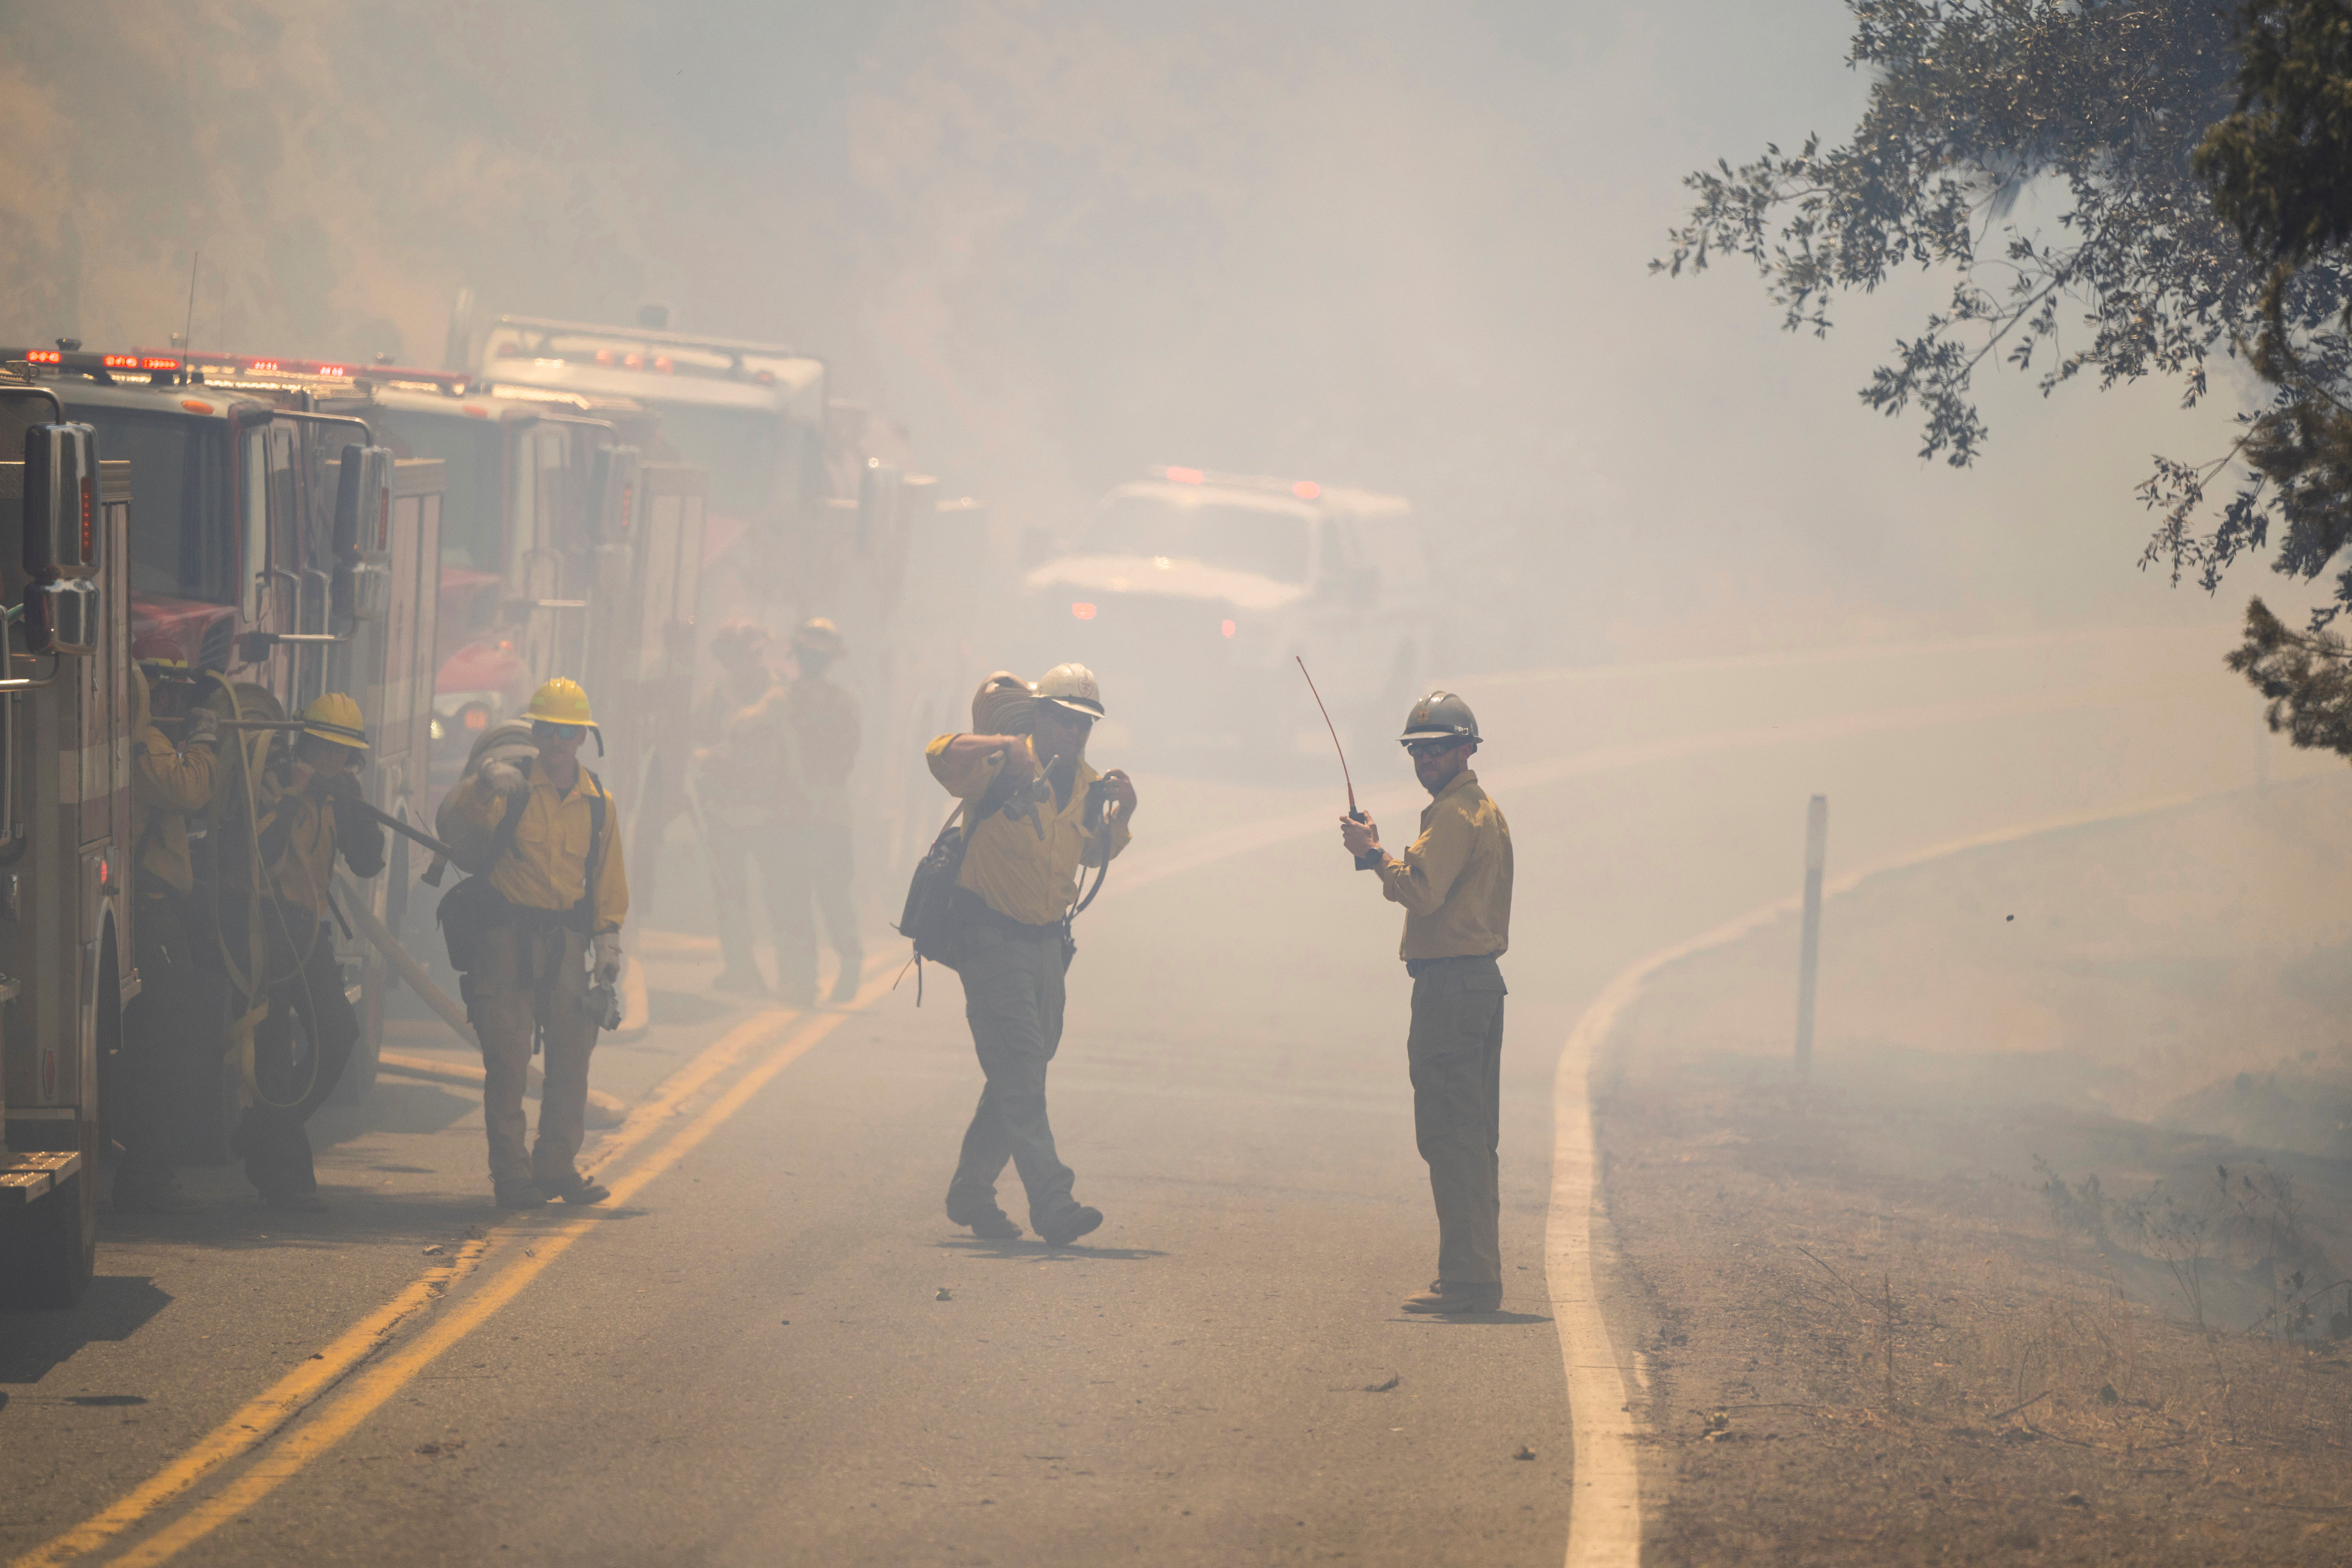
{"type": "Point", "coordinates": [529, 983]}
{"type": "Point", "coordinates": [1455, 1052]}
{"type": "Point", "coordinates": [1012, 998]}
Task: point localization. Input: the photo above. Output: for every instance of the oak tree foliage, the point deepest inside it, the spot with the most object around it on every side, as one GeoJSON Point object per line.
{"type": "Point", "coordinates": [2198, 159]}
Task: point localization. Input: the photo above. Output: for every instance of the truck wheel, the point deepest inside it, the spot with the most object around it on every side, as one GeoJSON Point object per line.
{"type": "Point", "coordinates": [48, 1249]}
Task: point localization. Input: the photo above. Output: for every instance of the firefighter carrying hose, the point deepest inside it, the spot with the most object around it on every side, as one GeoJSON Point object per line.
{"type": "Point", "coordinates": [1455, 882]}
{"type": "Point", "coordinates": [548, 892]}
{"type": "Point", "coordinates": [171, 1029]}
{"type": "Point", "coordinates": [1037, 813]}
{"type": "Point", "coordinates": [301, 832]}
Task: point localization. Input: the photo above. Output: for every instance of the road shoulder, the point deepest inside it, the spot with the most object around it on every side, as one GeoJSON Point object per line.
{"type": "Point", "coordinates": [1944, 1302]}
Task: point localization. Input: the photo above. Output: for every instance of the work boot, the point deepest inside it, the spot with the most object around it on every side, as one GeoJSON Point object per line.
{"type": "Point", "coordinates": [576, 1189]}
{"type": "Point", "coordinates": [518, 1195]}
{"type": "Point", "coordinates": [741, 983]}
{"type": "Point", "coordinates": [992, 1223]}
{"type": "Point", "coordinates": [845, 985]}
{"type": "Point", "coordinates": [1454, 1296]}
{"type": "Point", "coordinates": [151, 1193]}
{"type": "Point", "coordinates": [1079, 1222]}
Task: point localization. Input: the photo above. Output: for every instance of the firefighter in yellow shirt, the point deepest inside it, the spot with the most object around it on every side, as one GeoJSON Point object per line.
{"type": "Point", "coordinates": [170, 1030]}
{"type": "Point", "coordinates": [302, 832]}
{"type": "Point", "coordinates": [548, 844]}
{"type": "Point", "coordinates": [1036, 813]}
{"type": "Point", "coordinates": [1455, 882]}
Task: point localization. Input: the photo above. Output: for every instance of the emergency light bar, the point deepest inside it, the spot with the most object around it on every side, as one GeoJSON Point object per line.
{"type": "Point", "coordinates": [1304, 489]}
{"type": "Point", "coordinates": [337, 370]}
{"type": "Point", "coordinates": [78, 360]}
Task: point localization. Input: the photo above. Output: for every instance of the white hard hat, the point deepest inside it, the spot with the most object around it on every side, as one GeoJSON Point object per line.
{"type": "Point", "coordinates": [1071, 686]}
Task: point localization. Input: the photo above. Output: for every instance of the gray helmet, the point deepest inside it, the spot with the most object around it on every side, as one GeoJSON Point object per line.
{"type": "Point", "coordinates": [1439, 716]}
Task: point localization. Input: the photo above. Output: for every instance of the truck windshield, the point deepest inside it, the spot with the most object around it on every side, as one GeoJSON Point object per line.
{"type": "Point", "coordinates": [181, 544]}
{"type": "Point", "coordinates": [472, 536]}
{"type": "Point", "coordinates": [1238, 537]}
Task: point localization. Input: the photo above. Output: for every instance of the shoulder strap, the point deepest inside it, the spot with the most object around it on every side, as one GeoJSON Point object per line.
{"type": "Point", "coordinates": [596, 802]}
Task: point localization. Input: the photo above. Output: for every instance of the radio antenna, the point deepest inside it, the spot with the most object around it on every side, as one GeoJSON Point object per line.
{"type": "Point", "coordinates": [1335, 732]}
{"type": "Point", "coordinates": [1363, 862]}
{"type": "Point", "coordinates": [188, 338]}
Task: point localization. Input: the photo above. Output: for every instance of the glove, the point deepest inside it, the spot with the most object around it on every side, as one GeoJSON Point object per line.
{"type": "Point", "coordinates": [607, 947]}
{"type": "Point", "coordinates": [203, 727]}
{"type": "Point", "coordinates": [504, 779]}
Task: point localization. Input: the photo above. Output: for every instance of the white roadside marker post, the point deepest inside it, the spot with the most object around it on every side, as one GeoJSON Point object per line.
{"type": "Point", "coordinates": [1808, 958]}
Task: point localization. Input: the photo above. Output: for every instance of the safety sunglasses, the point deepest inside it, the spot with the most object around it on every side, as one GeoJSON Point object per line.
{"type": "Point", "coordinates": [1431, 748]}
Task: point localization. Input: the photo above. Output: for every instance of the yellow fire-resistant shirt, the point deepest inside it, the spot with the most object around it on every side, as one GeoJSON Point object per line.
{"type": "Point", "coordinates": [1024, 860]}
{"type": "Point", "coordinates": [824, 718]}
{"type": "Point", "coordinates": [548, 866]}
{"type": "Point", "coordinates": [1455, 881]}
{"type": "Point", "coordinates": [299, 841]}
{"type": "Point", "coordinates": [165, 785]}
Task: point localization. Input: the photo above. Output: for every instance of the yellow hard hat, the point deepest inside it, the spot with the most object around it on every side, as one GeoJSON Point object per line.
{"type": "Point", "coordinates": [336, 718]}
{"type": "Point", "coordinates": [820, 636]}
{"type": "Point", "coordinates": [560, 702]}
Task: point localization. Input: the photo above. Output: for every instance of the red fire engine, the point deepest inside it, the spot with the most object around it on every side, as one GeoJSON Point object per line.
{"type": "Point", "coordinates": [65, 813]}
{"type": "Point", "coordinates": [286, 554]}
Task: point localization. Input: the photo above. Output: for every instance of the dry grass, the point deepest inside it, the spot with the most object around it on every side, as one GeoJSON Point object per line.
{"type": "Point", "coordinates": [1968, 1298]}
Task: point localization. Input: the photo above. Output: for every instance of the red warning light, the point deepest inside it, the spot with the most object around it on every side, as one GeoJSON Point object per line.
{"type": "Point", "coordinates": [266, 366]}
{"type": "Point", "coordinates": [121, 362]}
{"type": "Point", "coordinates": [1306, 489]}
{"type": "Point", "coordinates": [1183, 476]}
{"type": "Point", "coordinates": [1083, 610]}
{"type": "Point", "coordinates": [1228, 628]}
{"type": "Point", "coordinates": [44, 356]}
{"type": "Point", "coordinates": [157, 361]}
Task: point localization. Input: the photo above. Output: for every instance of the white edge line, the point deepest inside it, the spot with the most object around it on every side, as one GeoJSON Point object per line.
{"type": "Point", "coordinates": [1605, 1521]}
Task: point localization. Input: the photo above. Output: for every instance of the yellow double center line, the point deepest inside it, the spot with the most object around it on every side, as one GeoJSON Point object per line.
{"type": "Point", "coordinates": [370, 1386]}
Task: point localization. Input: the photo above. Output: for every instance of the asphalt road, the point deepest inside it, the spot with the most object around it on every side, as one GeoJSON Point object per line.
{"type": "Point", "coordinates": [774, 1349]}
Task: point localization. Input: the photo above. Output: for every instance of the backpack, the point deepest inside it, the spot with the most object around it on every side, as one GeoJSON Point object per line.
{"type": "Point", "coordinates": [929, 919]}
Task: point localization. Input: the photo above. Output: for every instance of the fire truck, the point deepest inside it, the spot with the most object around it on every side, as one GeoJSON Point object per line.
{"type": "Point", "coordinates": [563, 550]}
{"type": "Point", "coordinates": [810, 512]}
{"type": "Point", "coordinates": [64, 818]}
{"type": "Point", "coordinates": [286, 553]}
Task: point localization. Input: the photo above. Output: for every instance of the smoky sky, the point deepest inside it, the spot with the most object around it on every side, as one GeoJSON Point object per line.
{"type": "Point", "coordinates": [1402, 247]}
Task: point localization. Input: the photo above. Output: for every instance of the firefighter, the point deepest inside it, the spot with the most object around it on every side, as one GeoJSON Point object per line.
{"type": "Point", "coordinates": [547, 841]}
{"type": "Point", "coordinates": [731, 797]}
{"type": "Point", "coordinates": [1038, 814]}
{"type": "Point", "coordinates": [302, 831]}
{"type": "Point", "coordinates": [1455, 882]}
{"type": "Point", "coordinates": [170, 1025]}
{"type": "Point", "coordinates": [809, 853]}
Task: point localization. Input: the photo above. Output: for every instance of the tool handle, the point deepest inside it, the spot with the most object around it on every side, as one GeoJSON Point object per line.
{"type": "Point", "coordinates": [1371, 862]}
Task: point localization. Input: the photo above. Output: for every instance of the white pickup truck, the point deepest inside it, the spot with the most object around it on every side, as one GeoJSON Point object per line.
{"type": "Point", "coordinates": [1190, 592]}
